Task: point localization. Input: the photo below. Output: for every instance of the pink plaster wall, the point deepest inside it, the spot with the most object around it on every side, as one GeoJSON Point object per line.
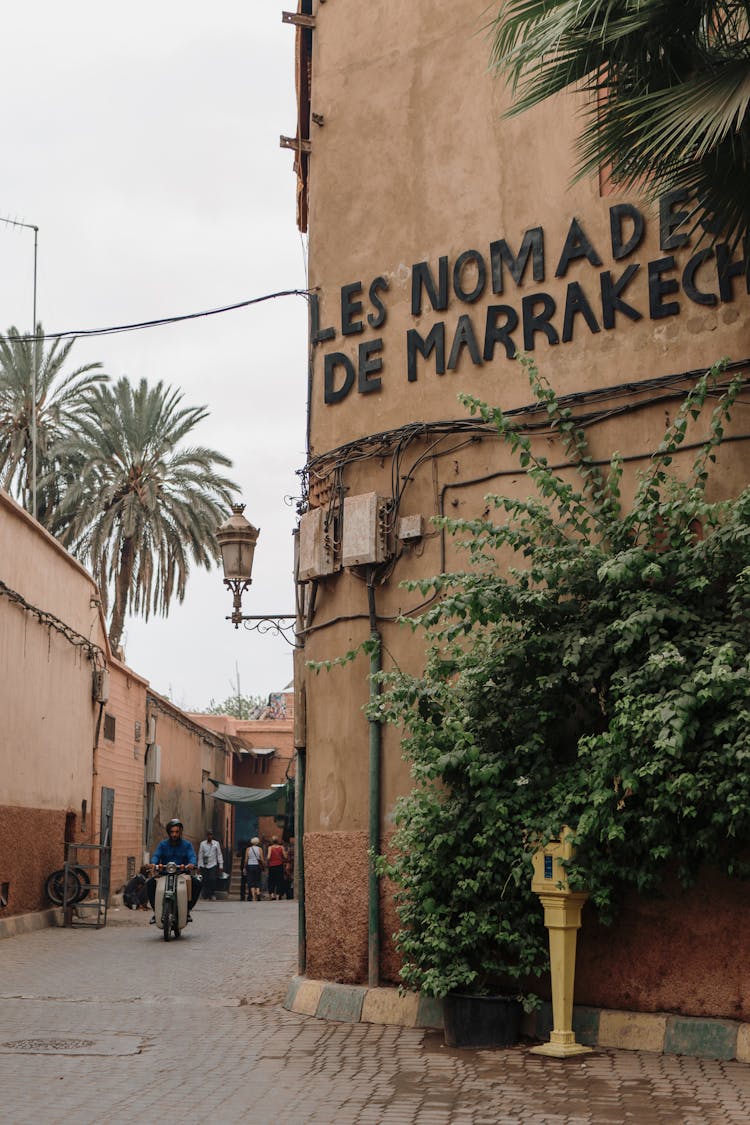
{"type": "Point", "coordinates": [188, 751]}
{"type": "Point", "coordinates": [120, 766]}
{"type": "Point", "coordinates": [48, 712]}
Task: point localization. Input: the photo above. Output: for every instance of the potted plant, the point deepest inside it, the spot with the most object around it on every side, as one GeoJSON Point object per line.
{"type": "Point", "coordinates": [471, 930]}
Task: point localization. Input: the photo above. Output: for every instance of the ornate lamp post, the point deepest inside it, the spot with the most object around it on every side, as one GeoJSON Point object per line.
{"type": "Point", "coordinates": [237, 538]}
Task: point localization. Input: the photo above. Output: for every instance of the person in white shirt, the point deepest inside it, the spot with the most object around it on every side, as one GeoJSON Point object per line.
{"type": "Point", "coordinates": [210, 864]}
{"type": "Point", "coordinates": [254, 864]}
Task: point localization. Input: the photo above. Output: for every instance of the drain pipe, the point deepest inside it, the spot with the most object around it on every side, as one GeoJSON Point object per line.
{"type": "Point", "coordinates": [299, 859]}
{"type": "Point", "coordinates": [375, 725]}
{"type": "Point", "coordinates": [300, 747]}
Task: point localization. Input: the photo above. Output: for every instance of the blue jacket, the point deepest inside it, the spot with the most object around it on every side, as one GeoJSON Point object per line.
{"type": "Point", "coordinates": [180, 852]}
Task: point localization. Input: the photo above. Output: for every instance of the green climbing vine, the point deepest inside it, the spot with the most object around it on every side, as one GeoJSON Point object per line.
{"type": "Point", "coordinates": [590, 667]}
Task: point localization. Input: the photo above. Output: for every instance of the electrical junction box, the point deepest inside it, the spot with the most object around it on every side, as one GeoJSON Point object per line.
{"type": "Point", "coordinates": [101, 685]}
{"type": "Point", "coordinates": [153, 764]}
{"type": "Point", "coordinates": [366, 526]}
{"type": "Point", "coordinates": [410, 528]}
{"type": "Point", "coordinates": [317, 554]}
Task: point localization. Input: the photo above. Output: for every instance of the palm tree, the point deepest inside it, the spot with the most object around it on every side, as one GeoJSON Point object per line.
{"type": "Point", "coordinates": [669, 91]}
{"type": "Point", "coordinates": [144, 504]}
{"type": "Point", "coordinates": [62, 399]}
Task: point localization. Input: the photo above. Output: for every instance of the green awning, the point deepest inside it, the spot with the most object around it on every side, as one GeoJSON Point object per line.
{"type": "Point", "coordinates": [263, 802]}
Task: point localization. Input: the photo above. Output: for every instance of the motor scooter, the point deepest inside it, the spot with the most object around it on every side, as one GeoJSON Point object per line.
{"type": "Point", "coordinates": [171, 901]}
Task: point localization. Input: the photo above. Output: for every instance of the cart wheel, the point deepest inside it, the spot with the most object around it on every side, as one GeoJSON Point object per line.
{"type": "Point", "coordinates": [83, 875]}
{"type": "Point", "coordinates": [55, 887]}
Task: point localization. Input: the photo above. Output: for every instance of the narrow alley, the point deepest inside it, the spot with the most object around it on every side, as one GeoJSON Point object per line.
{"type": "Point", "coordinates": [118, 1026]}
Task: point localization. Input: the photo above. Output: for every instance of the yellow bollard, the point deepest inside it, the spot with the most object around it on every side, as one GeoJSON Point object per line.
{"type": "Point", "coordinates": [562, 917]}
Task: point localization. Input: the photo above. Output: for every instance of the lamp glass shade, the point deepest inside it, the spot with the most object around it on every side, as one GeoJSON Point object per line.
{"type": "Point", "coordinates": [237, 538]}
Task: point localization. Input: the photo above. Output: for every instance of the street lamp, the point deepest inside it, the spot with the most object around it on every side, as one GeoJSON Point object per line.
{"type": "Point", "coordinates": [237, 538]}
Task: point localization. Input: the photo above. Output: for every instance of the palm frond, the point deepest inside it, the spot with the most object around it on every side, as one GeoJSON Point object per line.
{"type": "Point", "coordinates": [668, 88]}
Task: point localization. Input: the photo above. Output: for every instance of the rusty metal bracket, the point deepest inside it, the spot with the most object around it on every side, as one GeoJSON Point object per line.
{"type": "Point", "coordinates": [298, 19]}
{"type": "Point", "coordinates": [296, 143]}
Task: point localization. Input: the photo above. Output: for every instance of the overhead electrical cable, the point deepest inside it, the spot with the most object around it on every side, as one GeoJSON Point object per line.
{"type": "Point", "coordinates": [138, 325]}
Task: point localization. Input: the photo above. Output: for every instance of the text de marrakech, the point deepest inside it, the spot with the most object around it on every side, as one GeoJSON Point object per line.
{"type": "Point", "coordinates": [504, 324]}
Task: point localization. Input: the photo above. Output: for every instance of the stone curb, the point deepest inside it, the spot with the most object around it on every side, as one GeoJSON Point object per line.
{"type": "Point", "coordinates": [661, 1032]}
{"type": "Point", "coordinates": [355, 1003]}
{"type": "Point", "coordinates": [27, 923]}
{"type": "Point", "coordinates": [658, 1032]}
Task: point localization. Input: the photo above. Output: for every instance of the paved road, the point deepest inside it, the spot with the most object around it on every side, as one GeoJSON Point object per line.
{"type": "Point", "coordinates": [117, 1026]}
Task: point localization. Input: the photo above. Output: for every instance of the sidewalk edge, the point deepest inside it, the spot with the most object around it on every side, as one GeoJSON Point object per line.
{"type": "Point", "coordinates": [659, 1032]}
{"type": "Point", "coordinates": [27, 923]}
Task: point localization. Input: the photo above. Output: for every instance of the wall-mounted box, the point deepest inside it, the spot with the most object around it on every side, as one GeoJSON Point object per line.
{"type": "Point", "coordinates": [101, 685]}
{"type": "Point", "coordinates": [366, 527]}
{"type": "Point", "coordinates": [153, 764]}
{"type": "Point", "coordinates": [410, 528]}
{"type": "Point", "coordinates": [317, 555]}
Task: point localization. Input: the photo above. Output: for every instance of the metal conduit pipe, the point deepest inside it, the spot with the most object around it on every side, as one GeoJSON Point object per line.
{"type": "Point", "coordinates": [375, 731]}
{"type": "Point", "coordinates": [299, 859]}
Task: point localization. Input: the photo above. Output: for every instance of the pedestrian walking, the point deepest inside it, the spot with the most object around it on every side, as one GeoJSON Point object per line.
{"type": "Point", "coordinates": [210, 864]}
{"type": "Point", "coordinates": [254, 864]}
{"type": "Point", "coordinates": [242, 847]}
{"type": "Point", "coordinates": [276, 859]}
{"type": "Point", "coordinates": [289, 870]}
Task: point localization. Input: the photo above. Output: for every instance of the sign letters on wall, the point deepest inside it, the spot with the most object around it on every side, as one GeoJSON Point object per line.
{"type": "Point", "coordinates": [712, 274]}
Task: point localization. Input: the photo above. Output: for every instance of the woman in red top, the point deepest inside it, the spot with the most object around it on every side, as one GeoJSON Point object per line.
{"type": "Point", "coordinates": [275, 861]}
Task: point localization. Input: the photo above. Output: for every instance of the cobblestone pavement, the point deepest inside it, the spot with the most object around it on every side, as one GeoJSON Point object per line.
{"type": "Point", "coordinates": [118, 1026]}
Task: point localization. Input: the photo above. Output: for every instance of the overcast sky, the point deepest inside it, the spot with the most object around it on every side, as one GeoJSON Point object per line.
{"type": "Point", "coordinates": [143, 141]}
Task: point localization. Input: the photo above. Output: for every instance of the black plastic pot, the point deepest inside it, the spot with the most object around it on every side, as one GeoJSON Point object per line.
{"type": "Point", "coordinates": [481, 1021]}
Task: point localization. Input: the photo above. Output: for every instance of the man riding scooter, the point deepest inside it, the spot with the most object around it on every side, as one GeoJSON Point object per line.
{"type": "Point", "coordinates": [177, 850]}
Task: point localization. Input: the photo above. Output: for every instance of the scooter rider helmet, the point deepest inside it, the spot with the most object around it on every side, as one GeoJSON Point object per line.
{"type": "Point", "coordinates": [175, 822]}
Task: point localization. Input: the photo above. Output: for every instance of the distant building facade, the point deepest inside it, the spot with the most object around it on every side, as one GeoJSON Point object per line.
{"type": "Point", "coordinates": [262, 757]}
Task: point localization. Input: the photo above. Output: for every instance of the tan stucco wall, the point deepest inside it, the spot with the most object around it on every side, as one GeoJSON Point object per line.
{"type": "Point", "coordinates": [414, 161]}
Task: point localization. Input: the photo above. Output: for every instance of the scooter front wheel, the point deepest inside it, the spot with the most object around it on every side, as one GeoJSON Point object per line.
{"type": "Point", "coordinates": [167, 920]}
